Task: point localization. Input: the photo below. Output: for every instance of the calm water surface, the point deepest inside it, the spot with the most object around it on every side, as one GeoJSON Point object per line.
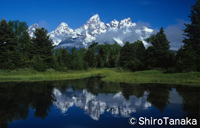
{"type": "Point", "coordinates": [92, 103]}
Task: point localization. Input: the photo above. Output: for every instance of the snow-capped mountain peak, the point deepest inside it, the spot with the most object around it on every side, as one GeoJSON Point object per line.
{"type": "Point", "coordinates": [61, 32]}
{"type": "Point", "coordinates": [32, 28]}
{"type": "Point", "coordinates": [113, 24]}
{"type": "Point", "coordinates": [63, 24]}
{"type": "Point", "coordinates": [126, 23]}
{"type": "Point", "coordinates": [62, 29]}
{"type": "Point", "coordinates": [95, 26]}
{"type": "Point", "coordinates": [94, 18]}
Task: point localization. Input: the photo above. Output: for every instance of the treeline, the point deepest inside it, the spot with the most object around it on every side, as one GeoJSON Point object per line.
{"type": "Point", "coordinates": [19, 50]}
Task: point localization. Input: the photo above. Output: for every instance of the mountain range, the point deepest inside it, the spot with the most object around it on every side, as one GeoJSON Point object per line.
{"type": "Point", "coordinates": [96, 31]}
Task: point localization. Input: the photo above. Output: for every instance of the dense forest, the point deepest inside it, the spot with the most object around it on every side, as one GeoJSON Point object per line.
{"type": "Point", "coordinates": [19, 50]}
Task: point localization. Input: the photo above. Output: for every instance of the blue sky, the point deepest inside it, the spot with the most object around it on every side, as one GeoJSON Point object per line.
{"type": "Point", "coordinates": [170, 14]}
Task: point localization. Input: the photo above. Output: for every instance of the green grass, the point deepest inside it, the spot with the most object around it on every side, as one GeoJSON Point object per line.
{"type": "Point", "coordinates": [155, 76]}
{"type": "Point", "coordinates": [111, 75]}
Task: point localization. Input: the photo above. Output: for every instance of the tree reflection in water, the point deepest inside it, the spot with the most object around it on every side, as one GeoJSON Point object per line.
{"type": "Point", "coordinates": [92, 95]}
{"type": "Point", "coordinates": [17, 98]}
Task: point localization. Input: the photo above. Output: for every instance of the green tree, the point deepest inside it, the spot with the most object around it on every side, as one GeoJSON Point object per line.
{"type": "Point", "coordinates": [129, 56]}
{"type": "Point", "coordinates": [126, 55]}
{"type": "Point", "coordinates": [25, 46]}
{"type": "Point", "coordinates": [90, 57]}
{"type": "Point", "coordinates": [20, 30]}
{"type": "Point", "coordinates": [185, 60]}
{"type": "Point", "coordinates": [63, 57]}
{"type": "Point", "coordinates": [44, 46]}
{"type": "Point", "coordinates": [99, 61]}
{"type": "Point", "coordinates": [159, 52]}
{"type": "Point", "coordinates": [104, 51]}
{"type": "Point", "coordinates": [73, 52]}
{"type": "Point", "coordinates": [9, 56]}
{"type": "Point", "coordinates": [78, 62]}
{"type": "Point", "coordinates": [18, 27]}
{"type": "Point", "coordinates": [191, 40]}
{"type": "Point", "coordinates": [150, 59]}
{"type": "Point", "coordinates": [139, 51]}
{"type": "Point", "coordinates": [94, 45]}
{"type": "Point", "coordinates": [114, 55]}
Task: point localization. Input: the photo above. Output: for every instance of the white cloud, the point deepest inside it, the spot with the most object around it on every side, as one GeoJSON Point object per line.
{"type": "Point", "coordinates": [130, 34]}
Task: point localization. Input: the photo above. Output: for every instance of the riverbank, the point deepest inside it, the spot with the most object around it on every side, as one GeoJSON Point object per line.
{"type": "Point", "coordinates": [111, 75]}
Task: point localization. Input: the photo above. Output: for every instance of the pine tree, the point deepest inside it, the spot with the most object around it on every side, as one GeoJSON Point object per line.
{"type": "Point", "coordinates": [44, 46]}
{"type": "Point", "coordinates": [3, 49]}
{"type": "Point", "coordinates": [99, 61]}
{"type": "Point", "coordinates": [90, 57]}
{"type": "Point", "coordinates": [18, 27]}
{"type": "Point", "coordinates": [186, 60]}
{"type": "Point", "coordinates": [25, 47]}
{"type": "Point", "coordinates": [9, 56]}
{"type": "Point", "coordinates": [66, 57]}
{"type": "Point", "coordinates": [126, 55]}
{"type": "Point", "coordinates": [139, 50]}
{"type": "Point", "coordinates": [73, 52]}
{"type": "Point", "coordinates": [104, 51]}
{"type": "Point", "coordinates": [130, 56]}
{"type": "Point", "coordinates": [150, 59]}
{"type": "Point", "coordinates": [78, 62]}
{"type": "Point", "coordinates": [192, 33]}
{"type": "Point", "coordinates": [114, 55]}
{"type": "Point", "coordinates": [63, 57]}
{"type": "Point", "coordinates": [20, 30]}
{"type": "Point", "coordinates": [160, 54]}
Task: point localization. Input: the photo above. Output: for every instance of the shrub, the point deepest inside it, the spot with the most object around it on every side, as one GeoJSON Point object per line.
{"type": "Point", "coordinates": [40, 65]}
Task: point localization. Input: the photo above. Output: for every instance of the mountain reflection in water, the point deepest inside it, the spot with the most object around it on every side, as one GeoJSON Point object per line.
{"type": "Point", "coordinates": [52, 104]}
{"type": "Point", "coordinates": [96, 105]}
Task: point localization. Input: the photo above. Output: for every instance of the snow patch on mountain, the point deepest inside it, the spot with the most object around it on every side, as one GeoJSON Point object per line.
{"type": "Point", "coordinates": [32, 28]}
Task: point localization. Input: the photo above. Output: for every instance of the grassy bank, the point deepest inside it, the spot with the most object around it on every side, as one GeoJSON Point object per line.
{"type": "Point", "coordinates": [111, 75]}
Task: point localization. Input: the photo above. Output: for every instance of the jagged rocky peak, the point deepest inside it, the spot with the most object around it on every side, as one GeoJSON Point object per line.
{"type": "Point", "coordinates": [126, 22]}
{"type": "Point", "coordinates": [63, 24]}
{"type": "Point", "coordinates": [32, 28]}
{"type": "Point", "coordinates": [34, 25]}
{"type": "Point", "coordinates": [113, 24]}
{"type": "Point", "coordinates": [94, 26]}
{"type": "Point", "coordinates": [61, 32]}
{"type": "Point", "coordinates": [63, 29]}
{"type": "Point", "coordinates": [94, 19]}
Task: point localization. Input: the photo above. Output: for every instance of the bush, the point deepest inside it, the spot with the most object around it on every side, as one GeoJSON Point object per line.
{"type": "Point", "coordinates": [133, 65]}
{"type": "Point", "coordinates": [50, 70]}
{"type": "Point", "coordinates": [171, 70]}
{"type": "Point", "coordinates": [61, 68]}
{"type": "Point", "coordinates": [40, 65]}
